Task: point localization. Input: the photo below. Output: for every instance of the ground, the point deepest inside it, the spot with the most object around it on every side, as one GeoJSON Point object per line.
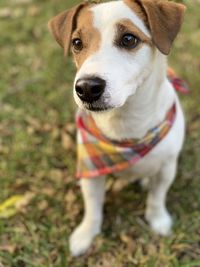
{"type": "Point", "coordinates": [40, 202]}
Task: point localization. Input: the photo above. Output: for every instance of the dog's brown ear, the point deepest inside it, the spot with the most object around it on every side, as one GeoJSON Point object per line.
{"type": "Point", "coordinates": [164, 21]}
{"type": "Point", "coordinates": [64, 24]}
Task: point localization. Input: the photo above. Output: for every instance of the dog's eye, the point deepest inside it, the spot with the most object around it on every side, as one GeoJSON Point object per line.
{"type": "Point", "coordinates": [129, 41]}
{"type": "Point", "coordinates": [77, 44]}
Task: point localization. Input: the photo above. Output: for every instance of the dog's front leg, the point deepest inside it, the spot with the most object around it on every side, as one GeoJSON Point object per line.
{"type": "Point", "coordinates": [156, 212]}
{"type": "Point", "coordinates": [93, 194]}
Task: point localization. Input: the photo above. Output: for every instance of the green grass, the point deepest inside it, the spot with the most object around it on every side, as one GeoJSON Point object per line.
{"type": "Point", "coordinates": [36, 117]}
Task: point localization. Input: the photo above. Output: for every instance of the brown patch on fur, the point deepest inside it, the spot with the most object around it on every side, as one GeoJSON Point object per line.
{"type": "Point", "coordinates": [137, 9]}
{"type": "Point", "coordinates": [163, 18]}
{"type": "Point", "coordinates": [127, 26]}
{"type": "Point", "coordinates": [63, 25]}
{"type": "Point", "coordinates": [89, 35]}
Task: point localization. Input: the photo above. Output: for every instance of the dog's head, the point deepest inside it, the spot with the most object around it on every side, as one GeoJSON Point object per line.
{"type": "Point", "coordinates": [114, 45]}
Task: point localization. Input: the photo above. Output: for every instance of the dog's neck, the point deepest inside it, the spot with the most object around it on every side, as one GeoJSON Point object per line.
{"type": "Point", "coordinates": [143, 110]}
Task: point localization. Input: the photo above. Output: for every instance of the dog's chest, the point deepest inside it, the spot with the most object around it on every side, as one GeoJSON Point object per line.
{"type": "Point", "coordinates": [146, 167]}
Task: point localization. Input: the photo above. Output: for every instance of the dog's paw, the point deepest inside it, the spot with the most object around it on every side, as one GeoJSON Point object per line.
{"type": "Point", "coordinates": [82, 238]}
{"type": "Point", "coordinates": [160, 223]}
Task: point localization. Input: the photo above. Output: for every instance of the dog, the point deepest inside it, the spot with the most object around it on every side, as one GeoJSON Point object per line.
{"type": "Point", "coordinates": [121, 85]}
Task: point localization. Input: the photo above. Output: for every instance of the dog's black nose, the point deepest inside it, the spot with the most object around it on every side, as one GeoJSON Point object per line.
{"type": "Point", "coordinates": [90, 89]}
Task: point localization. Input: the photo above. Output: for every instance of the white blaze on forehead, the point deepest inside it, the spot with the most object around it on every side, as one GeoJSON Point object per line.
{"type": "Point", "coordinates": [120, 69]}
{"type": "Point", "coordinates": [107, 14]}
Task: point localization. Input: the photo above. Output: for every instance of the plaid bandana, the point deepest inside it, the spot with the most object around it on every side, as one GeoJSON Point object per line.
{"type": "Point", "coordinates": [99, 155]}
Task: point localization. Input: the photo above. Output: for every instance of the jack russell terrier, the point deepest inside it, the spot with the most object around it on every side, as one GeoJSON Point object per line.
{"type": "Point", "coordinates": [129, 117]}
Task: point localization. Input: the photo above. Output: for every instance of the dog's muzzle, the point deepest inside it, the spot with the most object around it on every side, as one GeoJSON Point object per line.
{"type": "Point", "coordinates": [90, 89]}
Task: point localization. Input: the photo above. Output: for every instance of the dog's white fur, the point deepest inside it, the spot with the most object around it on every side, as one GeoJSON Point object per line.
{"type": "Point", "coordinates": [141, 94]}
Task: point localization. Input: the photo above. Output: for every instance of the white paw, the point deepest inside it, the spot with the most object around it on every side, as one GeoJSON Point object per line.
{"type": "Point", "coordinates": [82, 238]}
{"type": "Point", "coordinates": [160, 222]}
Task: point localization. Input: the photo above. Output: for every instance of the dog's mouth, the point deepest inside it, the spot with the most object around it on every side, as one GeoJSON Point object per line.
{"type": "Point", "coordinates": [96, 107]}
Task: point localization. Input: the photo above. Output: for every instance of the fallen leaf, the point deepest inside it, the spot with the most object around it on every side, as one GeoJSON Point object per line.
{"type": "Point", "coordinates": [33, 11]}
{"type": "Point", "coordinates": [25, 200]}
{"type": "Point", "coordinates": [48, 191]}
{"type": "Point", "coordinates": [47, 127]}
{"type": "Point", "coordinates": [67, 142]}
{"type": "Point", "coordinates": [130, 243]}
{"type": "Point", "coordinates": [55, 133]}
{"type": "Point", "coordinates": [33, 123]}
{"type": "Point", "coordinates": [5, 12]}
{"type": "Point", "coordinates": [8, 248]}
{"type": "Point", "coordinates": [14, 204]}
{"type": "Point", "coordinates": [70, 197]}
{"type": "Point", "coordinates": [10, 202]}
{"type": "Point", "coordinates": [43, 205]}
{"type": "Point", "coordinates": [71, 128]}
{"type": "Point", "coordinates": [56, 175]}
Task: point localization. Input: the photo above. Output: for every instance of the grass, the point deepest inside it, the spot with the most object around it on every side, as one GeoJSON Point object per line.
{"type": "Point", "coordinates": [38, 157]}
